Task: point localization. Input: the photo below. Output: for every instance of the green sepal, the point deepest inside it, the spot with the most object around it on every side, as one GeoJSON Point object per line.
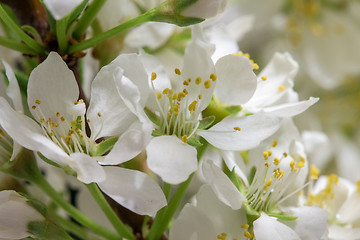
{"type": "Point", "coordinates": [76, 12]}
{"type": "Point", "coordinates": [152, 116]}
{"type": "Point", "coordinates": [235, 179]}
{"type": "Point", "coordinates": [281, 215]}
{"type": "Point", "coordinates": [249, 114]}
{"type": "Point", "coordinates": [194, 142]}
{"type": "Point", "coordinates": [251, 212]}
{"type": "Point", "coordinates": [103, 147]}
{"type": "Point", "coordinates": [47, 230]}
{"type": "Point", "coordinates": [233, 109]}
{"type": "Point", "coordinates": [252, 174]}
{"type": "Point", "coordinates": [206, 122]}
{"type": "Point", "coordinates": [33, 32]}
{"type": "Point", "coordinates": [156, 133]}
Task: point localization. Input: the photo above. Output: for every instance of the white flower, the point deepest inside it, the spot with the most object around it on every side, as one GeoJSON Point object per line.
{"type": "Point", "coordinates": [61, 8]}
{"type": "Point", "coordinates": [177, 111]}
{"type": "Point", "coordinates": [341, 199]}
{"type": "Point", "coordinates": [60, 132]}
{"type": "Point", "coordinates": [277, 169]}
{"type": "Point", "coordinates": [8, 148]}
{"type": "Point", "coordinates": [15, 214]}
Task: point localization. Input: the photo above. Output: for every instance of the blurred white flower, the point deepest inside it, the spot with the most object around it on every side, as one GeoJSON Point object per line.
{"type": "Point", "coordinates": [61, 8]}
{"type": "Point", "coordinates": [15, 215]}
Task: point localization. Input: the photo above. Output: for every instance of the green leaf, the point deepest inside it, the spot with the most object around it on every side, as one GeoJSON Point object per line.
{"type": "Point", "coordinates": [194, 142]}
{"type": "Point", "coordinates": [252, 174]}
{"type": "Point", "coordinates": [76, 12]}
{"type": "Point", "coordinates": [33, 32]}
{"type": "Point", "coordinates": [281, 215]}
{"type": "Point", "coordinates": [206, 122]}
{"type": "Point", "coordinates": [152, 116]}
{"type": "Point", "coordinates": [103, 147]}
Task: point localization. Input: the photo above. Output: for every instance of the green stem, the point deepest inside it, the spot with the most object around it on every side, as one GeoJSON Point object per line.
{"type": "Point", "coordinates": [16, 46]}
{"type": "Point", "coordinates": [87, 18]}
{"type": "Point", "coordinates": [18, 31]}
{"type": "Point", "coordinates": [61, 34]}
{"type": "Point", "coordinates": [74, 212]}
{"type": "Point", "coordinates": [164, 216]}
{"type": "Point", "coordinates": [112, 32]}
{"type": "Point", "coordinates": [111, 215]}
{"type": "Point", "coordinates": [70, 226]}
{"type": "Point", "coordinates": [167, 190]}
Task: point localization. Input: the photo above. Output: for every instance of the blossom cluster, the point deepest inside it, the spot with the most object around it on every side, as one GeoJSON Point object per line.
{"type": "Point", "coordinates": [132, 119]}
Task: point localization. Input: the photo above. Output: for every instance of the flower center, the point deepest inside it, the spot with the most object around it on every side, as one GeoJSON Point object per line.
{"type": "Point", "coordinates": [273, 179]}
{"type": "Point", "coordinates": [179, 110]}
{"type": "Point", "coordinates": [6, 146]}
{"type": "Point", "coordinates": [70, 135]}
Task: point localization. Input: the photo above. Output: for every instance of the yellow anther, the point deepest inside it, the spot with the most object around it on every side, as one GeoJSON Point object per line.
{"type": "Point", "coordinates": [166, 91]}
{"type": "Point", "coordinates": [158, 95]}
{"type": "Point", "coordinates": [174, 96]}
{"type": "Point", "coordinates": [81, 101]}
{"type": "Point", "coordinates": [57, 114]}
{"type": "Point", "coordinates": [300, 164]}
{"type": "Point", "coordinates": [237, 128]}
{"type": "Point", "coordinates": [169, 115]}
{"type": "Point", "coordinates": [282, 88]}
{"type": "Point", "coordinates": [245, 226]}
{"type": "Point", "coordinates": [176, 108]}
{"type": "Point", "coordinates": [207, 84]}
{"type": "Point", "coordinates": [255, 66]}
{"type": "Point", "coordinates": [213, 77]}
{"type": "Point", "coordinates": [198, 80]}
{"type": "Point", "coordinates": [192, 106]}
{"type": "Point", "coordinates": [266, 155]}
{"type": "Point", "coordinates": [292, 165]}
{"type": "Point", "coordinates": [189, 80]}
{"type": "Point", "coordinates": [88, 120]}
{"type": "Point", "coordinates": [358, 186]}
{"type": "Point", "coordinates": [42, 120]}
{"type": "Point", "coordinates": [247, 234]}
{"type": "Point", "coordinates": [185, 91]}
{"type": "Point", "coordinates": [181, 95]}
{"type": "Point", "coordinates": [99, 114]}
{"type": "Point", "coordinates": [33, 107]}
{"type": "Point", "coordinates": [37, 101]}
{"type": "Point", "coordinates": [51, 133]}
{"type": "Point", "coordinates": [62, 119]}
{"type": "Point", "coordinates": [266, 164]}
{"type": "Point", "coordinates": [269, 152]}
{"type": "Point", "coordinates": [285, 154]}
{"type": "Point", "coordinates": [276, 161]}
{"type": "Point", "coordinates": [153, 76]}
{"type": "Point", "coordinates": [186, 83]}
{"type": "Point", "coordinates": [314, 172]}
{"type": "Point", "coordinates": [76, 102]}
{"type": "Point", "coordinates": [268, 183]}
{"type": "Point", "coordinates": [200, 96]}
{"type": "Point", "coordinates": [275, 142]}
{"type": "Point", "coordinates": [184, 139]}
{"type": "Point", "coordinates": [264, 78]}
{"type": "Point", "coordinates": [177, 71]}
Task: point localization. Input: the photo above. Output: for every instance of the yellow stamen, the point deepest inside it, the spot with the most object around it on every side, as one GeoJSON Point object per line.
{"type": "Point", "coordinates": [37, 101]}
{"type": "Point", "coordinates": [153, 76]}
{"type": "Point", "coordinates": [237, 128]}
{"type": "Point", "coordinates": [177, 71]}
{"type": "Point", "coordinates": [314, 172]}
{"type": "Point", "coordinates": [198, 80]}
{"type": "Point", "coordinates": [158, 96]}
{"type": "Point", "coordinates": [207, 84]}
{"type": "Point", "coordinates": [264, 78]}
{"type": "Point", "coordinates": [184, 139]}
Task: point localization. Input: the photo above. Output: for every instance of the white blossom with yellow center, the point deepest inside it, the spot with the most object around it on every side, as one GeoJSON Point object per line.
{"type": "Point", "coordinates": [59, 132]}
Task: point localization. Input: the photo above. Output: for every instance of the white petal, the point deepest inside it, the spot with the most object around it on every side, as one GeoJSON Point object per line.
{"type": "Point", "coordinates": [343, 233]}
{"type": "Point", "coordinates": [222, 186]}
{"type": "Point", "coordinates": [198, 63]}
{"type": "Point", "coordinates": [254, 129]}
{"type": "Point", "coordinates": [150, 34]}
{"type": "Point", "coordinates": [129, 145]}
{"type": "Point", "coordinates": [236, 80]}
{"type": "Point", "coordinates": [192, 222]}
{"type": "Point", "coordinates": [350, 210]}
{"type": "Point", "coordinates": [61, 8]}
{"type": "Point", "coordinates": [87, 168]}
{"type": "Point", "coordinates": [311, 222]}
{"type": "Point", "coordinates": [134, 190]}
{"type": "Point", "coordinates": [280, 71]}
{"type": "Point", "coordinates": [223, 217]}
{"type": "Point", "coordinates": [205, 8]}
{"type": "Point", "coordinates": [291, 109]}
{"type": "Point", "coordinates": [105, 99]}
{"type": "Point", "coordinates": [171, 159]}
{"type": "Point", "coordinates": [268, 228]}
{"type": "Point", "coordinates": [13, 90]}
{"type": "Point", "coordinates": [27, 133]}
{"type": "Point", "coordinates": [54, 84]}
